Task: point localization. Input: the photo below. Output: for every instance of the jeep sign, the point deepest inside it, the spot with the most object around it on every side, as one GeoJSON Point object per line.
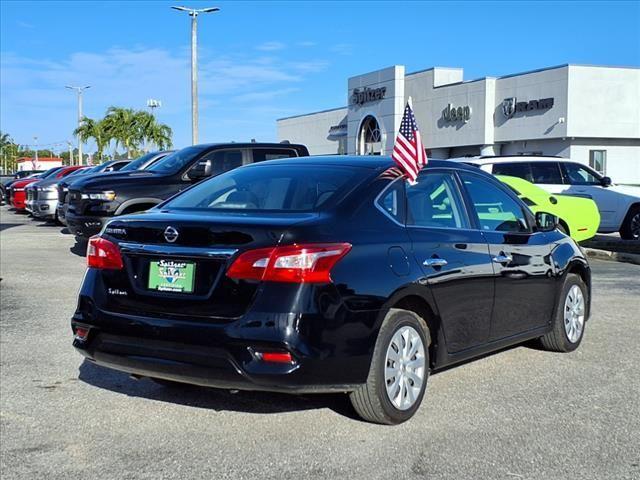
{"type": "Point", "coordinates": [456, 114]}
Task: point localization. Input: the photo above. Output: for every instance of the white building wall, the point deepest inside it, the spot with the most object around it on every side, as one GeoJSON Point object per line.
{"type": "Point", "coordinates": [603, 102]}
{"type": "Point", "coordinates": [623, 157]}
{"type": "Point", "coordinates": [312, 130]}
{"type": "Point", "coordinates": [429, 103]}
{"type": "Point", "coordinates": [536, 124]}
{"type": "Point", "coordinates": [388, 111]}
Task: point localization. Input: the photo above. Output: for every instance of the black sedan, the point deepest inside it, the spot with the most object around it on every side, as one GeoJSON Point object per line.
{"type": "Point", "coordinates": [325, 274]}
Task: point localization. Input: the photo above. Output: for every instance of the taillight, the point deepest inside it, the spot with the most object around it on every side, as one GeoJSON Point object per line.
{"type": "Point", "coordinates": [103, 254]}
{"type": "Point", "coordinates": [306, 263]}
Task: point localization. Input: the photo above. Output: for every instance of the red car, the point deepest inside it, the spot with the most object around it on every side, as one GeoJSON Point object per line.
{"type": "Point", "coordinates": [17, 193]}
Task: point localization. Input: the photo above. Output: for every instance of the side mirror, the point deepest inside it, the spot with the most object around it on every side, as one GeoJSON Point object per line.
{"type": "Point", "coordinates": [606, 182]}
{"type": "Point", "coordinates": [200, 170]}
{"type": "Point", "coordinates": [546, 222]}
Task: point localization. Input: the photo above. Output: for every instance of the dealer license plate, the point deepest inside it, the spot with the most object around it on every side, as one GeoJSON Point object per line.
{"type": "Point", "coordinates": [173, 276]}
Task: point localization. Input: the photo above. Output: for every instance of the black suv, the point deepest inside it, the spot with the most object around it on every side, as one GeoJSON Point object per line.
{"type": "Point", "coordinates": [95, 200]}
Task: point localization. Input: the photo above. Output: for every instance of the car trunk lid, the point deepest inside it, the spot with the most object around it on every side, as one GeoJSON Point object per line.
{"type": "Point", "coordinates": [175, 264]}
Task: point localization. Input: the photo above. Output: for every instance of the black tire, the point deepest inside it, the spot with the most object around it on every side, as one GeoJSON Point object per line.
{"type": "Point", "coordinates": [629, 229]}
{"type": "Point", "coordinates": [557, 339]}
{"type": "Point", "coordinates": [370, 400]}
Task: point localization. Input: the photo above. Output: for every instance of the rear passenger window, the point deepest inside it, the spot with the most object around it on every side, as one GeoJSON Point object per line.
{"type": "Point", "coordinates": [546, 173]}
{"type": "Point", "coordinates": [392, 202]}
{"type": "Point", "coordinates": [434, 202]}
{"type": "Point", "coordinates": [262, 154]}
{"type": "Point", "coordinates": [224, 160]}
{"type": "Point", "coordinates": [495, 209]}
{"type": "Point", "coordinates": [516, 169]}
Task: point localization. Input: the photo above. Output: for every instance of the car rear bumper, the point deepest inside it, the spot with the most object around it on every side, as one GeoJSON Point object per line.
{"type": "Point", "coordinates": [330, 354]}
{"type": "Point", "coordinates": [85, 225]}
{"type": "Point", "coordinates": [208, 367]}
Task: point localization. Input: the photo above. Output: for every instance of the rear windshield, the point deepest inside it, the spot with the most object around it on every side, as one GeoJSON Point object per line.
{"type": "Point", "coordinates": [176, 161]}
{"type": "Point", "coordinates": [273, 188]}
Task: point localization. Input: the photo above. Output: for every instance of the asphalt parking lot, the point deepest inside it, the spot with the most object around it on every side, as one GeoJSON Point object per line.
{"type": "Point", "coordinates": [522, 413]}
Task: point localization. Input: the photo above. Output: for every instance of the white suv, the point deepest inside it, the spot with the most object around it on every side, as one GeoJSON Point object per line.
{"type": "Point", "coordinates": [619, 205]}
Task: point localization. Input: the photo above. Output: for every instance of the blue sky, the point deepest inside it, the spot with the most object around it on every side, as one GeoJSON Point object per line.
{"type": "Point", "coordinates": [260, 61]}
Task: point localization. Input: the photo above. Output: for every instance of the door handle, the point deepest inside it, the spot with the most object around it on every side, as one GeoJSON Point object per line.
{"type": "Point", "coordinates": [434, 262]}
{"type": "Point", "coordinates": [503, 258]}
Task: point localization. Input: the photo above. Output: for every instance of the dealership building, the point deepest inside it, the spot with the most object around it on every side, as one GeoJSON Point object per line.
{"type": "Point", "coordinates": [587, 113]}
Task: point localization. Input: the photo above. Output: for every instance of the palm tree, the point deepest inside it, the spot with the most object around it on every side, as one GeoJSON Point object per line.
{"type": "Point", "coordinates": [90, 128]}
{"type": "Point", "coordinates": [7, 149]}
{"type": "Point", "coordinates": [122, 126]}
{"type": "Point", "coordinates": [160, 134]}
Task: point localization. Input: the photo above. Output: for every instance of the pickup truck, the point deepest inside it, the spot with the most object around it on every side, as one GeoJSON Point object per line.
{"type": "Point", "coordinates": [93, 201]}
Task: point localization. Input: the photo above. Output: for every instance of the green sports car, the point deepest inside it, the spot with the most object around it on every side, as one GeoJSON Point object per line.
{"type": "Point", "coordinates": [579, 217]}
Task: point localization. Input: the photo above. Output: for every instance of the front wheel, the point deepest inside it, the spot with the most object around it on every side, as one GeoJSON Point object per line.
{"type": "Point", "coordinates": [630, 229]}
{"type": "Point", "coordinates": [571, 315]}
{"type": "Point", "coordinates": [399, 370]}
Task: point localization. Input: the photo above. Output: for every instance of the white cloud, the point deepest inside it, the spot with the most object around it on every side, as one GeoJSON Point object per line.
{"type": "Point", "coordinates": [271, 46]}
{"type": "Point", "coordinates": [264, 96]}
{"type": "Point", "coordinates": [310, 66]}
{"type": "Point", "coordinates": [33, 100]}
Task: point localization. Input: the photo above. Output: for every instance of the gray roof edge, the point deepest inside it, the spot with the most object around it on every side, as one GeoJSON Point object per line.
{"type": "Point", "coordinates": [313, 113]}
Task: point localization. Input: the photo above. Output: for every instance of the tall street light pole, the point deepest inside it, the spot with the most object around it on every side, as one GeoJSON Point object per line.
{"type": "Point", "coordinates": [193, 13]}
{"type": "Point", "coordinates": [79, 91]}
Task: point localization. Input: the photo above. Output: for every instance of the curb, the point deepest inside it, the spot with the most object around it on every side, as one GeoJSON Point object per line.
{"type": "Point", "coordinates": [613, 256]}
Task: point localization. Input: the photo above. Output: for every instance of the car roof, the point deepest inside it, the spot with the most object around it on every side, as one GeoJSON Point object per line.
{"type": "Point", "coordinates": [250, 145]}
{"type": "Point", "coordinates": [364, 161]}
{"type": "Point", "coordinates": [488, 160]}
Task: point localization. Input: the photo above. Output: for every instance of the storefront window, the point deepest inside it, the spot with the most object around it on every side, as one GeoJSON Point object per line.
{"type": "Point", "coordinates": [598, 160]}
{"type": "Point", "coordinates": [370, 137]}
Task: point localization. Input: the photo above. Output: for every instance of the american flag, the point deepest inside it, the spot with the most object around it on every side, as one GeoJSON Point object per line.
{"type": "Point", "coordinates": [408, 151]}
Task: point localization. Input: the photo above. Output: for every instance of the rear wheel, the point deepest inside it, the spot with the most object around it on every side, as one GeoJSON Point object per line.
{"type": "Point", "coordinates": [630, 229]}
{"type": "Point", "coordinates": [571, 315]}
{"type": "Point", "coordinates": [399, 370]}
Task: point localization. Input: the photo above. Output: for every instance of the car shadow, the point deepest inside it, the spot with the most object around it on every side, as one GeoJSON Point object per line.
{"type": "Point", "coordinates": [80, 247]}
{"type": "Point", "coordinates": [212, 398]}
{"type": "Point", "coordinates": [5, 226]}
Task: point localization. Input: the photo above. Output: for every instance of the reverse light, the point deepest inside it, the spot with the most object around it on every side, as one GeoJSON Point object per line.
{"type": "Point", "coordinates": [103, 254]}
{"type": "Point", "coordinates": [299, 263]}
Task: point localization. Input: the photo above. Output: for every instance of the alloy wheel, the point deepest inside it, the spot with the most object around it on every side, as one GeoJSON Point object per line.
{"type": "Point", "coordinates": [574, 308]}
{"type": "Point", "coordinates": [404, 372]}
